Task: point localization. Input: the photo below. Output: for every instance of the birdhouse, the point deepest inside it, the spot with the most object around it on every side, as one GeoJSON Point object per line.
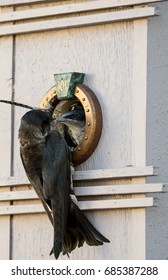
{"type": "Point", "coordinates": [120, 161]}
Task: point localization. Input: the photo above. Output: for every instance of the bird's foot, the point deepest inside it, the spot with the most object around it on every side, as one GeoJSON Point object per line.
{"type": "Point", "coordinates": [74, 199]}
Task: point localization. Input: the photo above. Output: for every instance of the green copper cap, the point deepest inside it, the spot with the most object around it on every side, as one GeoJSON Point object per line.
{"type": "Point", "coordinates": [66, 82]}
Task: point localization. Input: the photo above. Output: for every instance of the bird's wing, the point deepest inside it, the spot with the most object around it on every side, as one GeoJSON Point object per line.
{"type": "Point", "coordinates": [35, 177]}
{"type": "Point", "coordinates": [56, 184]}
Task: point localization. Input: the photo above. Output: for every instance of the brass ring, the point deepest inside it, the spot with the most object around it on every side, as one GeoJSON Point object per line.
{"type": "Point", "coordinates": [93, 114]}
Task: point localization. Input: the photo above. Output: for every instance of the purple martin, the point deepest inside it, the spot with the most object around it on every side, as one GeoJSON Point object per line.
{"type": "Point", "coordinates": [46, 158]}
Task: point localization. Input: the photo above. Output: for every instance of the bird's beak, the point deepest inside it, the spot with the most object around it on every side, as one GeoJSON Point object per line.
{"type": "Point", "coordinates": [66, 117]}
{"type": "Point", "coordinates": [61, 118]}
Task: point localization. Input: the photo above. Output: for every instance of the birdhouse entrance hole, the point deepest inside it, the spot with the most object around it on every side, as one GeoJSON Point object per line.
{"type": "Point", "coordinates": [85, 99]}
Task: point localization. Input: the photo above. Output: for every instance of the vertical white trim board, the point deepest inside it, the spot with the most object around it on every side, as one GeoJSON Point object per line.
{"type": "Point", "coordinates": [139, 93]}
{"type": "Point", "coordinates": [6, 66]}
{"type": "Point", "coordinates": [139, 114]}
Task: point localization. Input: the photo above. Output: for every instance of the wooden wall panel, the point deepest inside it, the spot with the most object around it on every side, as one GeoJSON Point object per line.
{"type": "Point", "coordinates": [33, 237]}
{"type": "Point", "coordinates": [109, 71]}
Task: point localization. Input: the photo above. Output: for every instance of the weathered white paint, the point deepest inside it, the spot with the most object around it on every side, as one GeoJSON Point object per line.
{"type": "Point", "coordinates": [6, 75]}
{"type": "Point", "coordinates": [110, 48]}
{"type": "Point", "coordinates": [65, 9]}
{"type": "Point", "coordinates": [88, 175]}
{"type": "Point", "coordinates": [23, 2]}
{"type": "Point", "coordinates": [139, 94]}
{"type": "Point", "coordinates": [18, 195]}
{"type": "Point", "coordinates": [115, 3]}
{"type": "Point", "coordinates": [68, 51]}
{"type": "Point", "coordinates": [139, 109]}
{"type": "Point", "coordinates": [116, 203]}
{"type": "Point", "coordinates": [78, 21]}
{"type": "Point", "coordinates": [126, 172]}
{"type": "Point", "coordinates": [83, 205]}
{"type": "Point", "coordinates": [117, 189]}
{"type": "Point", "coordinates": [88, 191]}
{"type": "Point", "coordinates": [14, 181]}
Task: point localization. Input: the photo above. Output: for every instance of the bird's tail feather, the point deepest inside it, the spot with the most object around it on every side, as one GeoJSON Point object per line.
{"type": "Point", "coordinates": [92, 235]}
{"type": "Point", "coordinates": [80, 230]}
{"type": "Point", "coordinates": [58, 230]}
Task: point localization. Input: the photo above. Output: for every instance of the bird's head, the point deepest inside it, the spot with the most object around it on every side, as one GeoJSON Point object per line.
{"type": "Point", "coordinates": [35, 124]}
{"type": "Point", "coordinates": [75, 117]}
{"type": "Point", "coordinates": [75, 123]}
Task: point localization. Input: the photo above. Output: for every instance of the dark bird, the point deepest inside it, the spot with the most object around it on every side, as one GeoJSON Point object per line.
{"type": "Point", "coordinates": [75, 122]}
{"type": "Point", "coordinates": [47, 161]}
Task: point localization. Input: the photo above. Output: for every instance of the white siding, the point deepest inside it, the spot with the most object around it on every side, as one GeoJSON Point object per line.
{"type": "Point", "coordinates": [114, 56]}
